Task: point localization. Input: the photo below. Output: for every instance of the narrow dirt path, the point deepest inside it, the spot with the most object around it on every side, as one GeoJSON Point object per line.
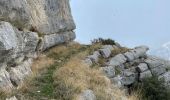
{"type": "Point", "coordinates": [41, 87]}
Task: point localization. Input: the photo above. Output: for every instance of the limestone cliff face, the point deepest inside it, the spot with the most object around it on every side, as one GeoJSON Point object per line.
{"type": "Point", "coordinates": [26, 28]}
{"type": "Point", "coordinates": [45, 16]}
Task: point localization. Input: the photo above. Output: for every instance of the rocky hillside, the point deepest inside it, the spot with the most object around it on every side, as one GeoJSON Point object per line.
{"type": "Point", "coordinates": [28, 27]}
{"type": "Point", "coordinates": [38, 61]}
{"type": "Point", "coordinates": [125, 67]}
{"type": "Point", "coordinates": [91, 72]}
{"type": "Point", "coordinates": [62, 74]}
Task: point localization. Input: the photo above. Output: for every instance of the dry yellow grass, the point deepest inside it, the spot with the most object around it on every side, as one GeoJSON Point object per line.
{"type": "Point", "coordinates": [42, 62]}
{"type": "Point", "coordinates": [119, 50]}
{"type": "Point", "coordinates": [75, 76]}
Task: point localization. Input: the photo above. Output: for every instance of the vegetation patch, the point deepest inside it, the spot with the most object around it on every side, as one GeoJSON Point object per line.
{"type": "Point", "coordinates": [120, 50]}
{"type": "Point", "coordinates": [153, 89]}
{"type": "Point", "coordinates": [103, 41]}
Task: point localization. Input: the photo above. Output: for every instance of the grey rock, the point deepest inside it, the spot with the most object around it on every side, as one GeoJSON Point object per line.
{"type": "Point", "coordinates": [154, 62]}
{"type": "Point", "coordinates": [117, 60]}
{"type": "Point", "coordinates": [16, 44]}
{"type": "Point", "coordinates": [158, 70]}
{"type": "Point", "coordinates": [96, 53]}
{"type": "Point", "coordinates": [55, 39]}
{"type": "Point", "coordinates": [88, 61]}
{"type": "Point", "coordinates": [95, 57]}
{"type": "Point", "coordinates": [30, 40]}
{"type": "Point", "coordinates": [109, 71]}
{"type": "Point", "coordinates": [12, 98]}
{"type": "Point", "coordinates": [140, 51]}
{"type": "Point", "coordinates": [145, 74]}
{"type": "Point", "coordinates": [105, 52]}
{"type": "Point", "coordinates": [110, 47]}
{"type": "Point", "coordinates": [130, 56]}
{"type": "Point", "coordinates": [21, 72]}
{"type": "Point", "coordinates": [8, 41]}
{"type": "Point", "coordinates": [45, 16]}
{"type": "Point", "coordinates": [117, 44]}
{"type": "Point", "coordinates": [136, 53]}
{"type": "Point", "coordinates": [5, 82]}
{"type": "Point", "coordinates": [87, 95]}
{"type": "Point", "coordinates": [128, 78]}
{"type": "Point", "coordinates": [142, 67]}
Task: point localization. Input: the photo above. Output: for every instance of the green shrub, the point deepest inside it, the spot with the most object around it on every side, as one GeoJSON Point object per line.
{"type": "Point", "coordinates": [103, 41]}
{"type": "Point", "coordinates": [154, 89]}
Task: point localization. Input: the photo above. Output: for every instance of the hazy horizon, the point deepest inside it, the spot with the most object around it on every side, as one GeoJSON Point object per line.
{"type": "Point", "coordinates": [130, 22]}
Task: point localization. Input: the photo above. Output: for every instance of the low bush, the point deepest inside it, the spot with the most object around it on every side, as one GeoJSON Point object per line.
{"type": "Point", "coordinates": [103, 41]}
{"type": "Point", "coordinates": [154, 89]}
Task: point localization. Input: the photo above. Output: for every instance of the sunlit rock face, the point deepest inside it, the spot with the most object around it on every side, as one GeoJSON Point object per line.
{"type": "Point", "coordinates": [28, 27]}
{"type": "Point", "coordinates": [44, 16]}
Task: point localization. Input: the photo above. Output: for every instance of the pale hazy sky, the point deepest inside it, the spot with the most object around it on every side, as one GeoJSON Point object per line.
{"type": "Point", "coordinates": [130, 22]}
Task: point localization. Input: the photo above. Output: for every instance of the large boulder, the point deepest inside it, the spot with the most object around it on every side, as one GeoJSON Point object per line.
{"type": "Point", "coordinates": [136, 53]}
{"type": "Point", "coordinates": [8, 41]}
{"type": "Point", "coordinates": [14, 43]}
{"type": "Point", "coordinates": [130, 56]}
{"type": "Point", "coordinates": [55, 39]}
{"type": "Point", "coordinates": [117, 60]}
{"type": "Point", "coordinates": [154, 62]}
{"type": "Point", "coordinates": [105, 52]}
{"type": "Point", "coordinates": [128, 78]}
{"type": "Point", "coordinates": [142, 67]}
{"type": "Point", "coordinates": [44, 16]}
{"type": "Point", "coordinates": [28, 27]}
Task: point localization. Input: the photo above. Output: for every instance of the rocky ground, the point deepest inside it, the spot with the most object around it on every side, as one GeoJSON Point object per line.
{"type": "Point", "coordinates": [126, 68]}
{"type": "Point", "coordinates": [108, 73]}
{"type": "Point", "coordinates": [32, 68]}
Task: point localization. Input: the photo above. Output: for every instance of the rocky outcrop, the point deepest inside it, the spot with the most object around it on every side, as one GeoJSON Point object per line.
{"type": "Point", "coordinates": [124, 69]}
{"type": "Point", "coordinates": [28, 27]}
{"type": "Point", "coordinates": [45, 16]}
